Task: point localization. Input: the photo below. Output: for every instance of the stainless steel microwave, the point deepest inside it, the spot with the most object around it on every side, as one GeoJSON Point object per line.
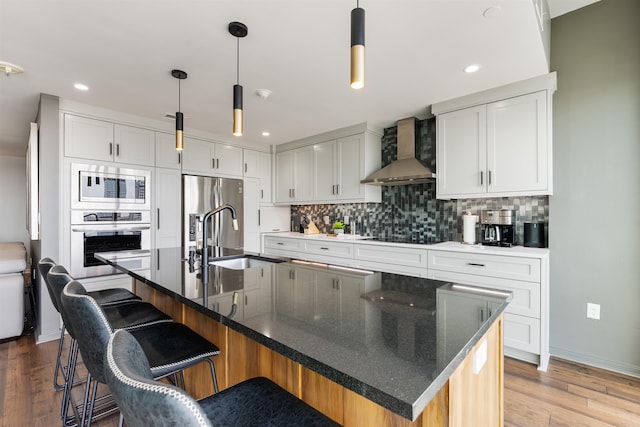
{"type": "Point", "coordinates": [109, 187]}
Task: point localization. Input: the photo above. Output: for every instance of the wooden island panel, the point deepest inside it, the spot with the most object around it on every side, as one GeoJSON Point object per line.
{"type": "Point", "coordinates": [466, 399]}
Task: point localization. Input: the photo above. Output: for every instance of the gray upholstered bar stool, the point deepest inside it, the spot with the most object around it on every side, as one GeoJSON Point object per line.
{"type": "Point", "coordinates": [102, 297]}
{"type": "Point", "coordinates": [124, 314]}
{"type": "Point", "coordinates": [169, 347]}
{"type": "Point", "coordinates": [144, 402]}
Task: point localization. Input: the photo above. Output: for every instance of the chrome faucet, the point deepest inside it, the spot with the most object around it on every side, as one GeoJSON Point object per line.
{"type": "Point", "coordinates": [205, 237]}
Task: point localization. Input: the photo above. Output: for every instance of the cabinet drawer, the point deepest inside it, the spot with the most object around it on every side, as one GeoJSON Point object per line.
{"type": "Point", "coordinates": [343, 250]}
{"type": "Point", "coordinates": [526, 295]}
{"type": "Point", "coordinates": [391, 268]}
{"type": "Point", "coordinates": [399, 256]}
{"type": "Point", "coordinates": [280, 243]}
{"type": "Point", "coordinates": [505, 267]}
{"type": "Point", "coordinates": [522, 333]}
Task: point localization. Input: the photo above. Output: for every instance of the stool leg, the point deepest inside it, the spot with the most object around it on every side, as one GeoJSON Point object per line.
{"type": "Point", "coordinates": [213, 375]}
{"type": "Point", "coordinates": [66, 396]}
{"type": "Point", "coordinates": [57, 386]}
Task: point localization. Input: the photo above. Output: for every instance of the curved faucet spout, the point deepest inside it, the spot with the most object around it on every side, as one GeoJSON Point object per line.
{"type": "Point", "coordinates": [205, 236]}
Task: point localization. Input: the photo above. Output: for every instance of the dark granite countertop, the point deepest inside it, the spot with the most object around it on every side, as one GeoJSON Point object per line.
{"type": "Point", "coordinates": [390, 338]}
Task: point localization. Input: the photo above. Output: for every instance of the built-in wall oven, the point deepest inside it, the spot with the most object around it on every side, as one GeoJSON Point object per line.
{"type": "Point", "coordinates": [128, 232]}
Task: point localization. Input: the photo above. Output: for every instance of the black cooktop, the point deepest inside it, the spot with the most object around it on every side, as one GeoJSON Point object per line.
{"type": "Point", "coordinates": [402, 239]}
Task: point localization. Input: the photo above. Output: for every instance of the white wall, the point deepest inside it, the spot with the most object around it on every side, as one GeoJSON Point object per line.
{"type": "Point", "coordinates": [13, 200]}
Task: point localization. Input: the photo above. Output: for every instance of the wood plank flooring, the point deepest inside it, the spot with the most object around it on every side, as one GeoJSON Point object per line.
{"type": "Point", "coordinates": [569, 394]}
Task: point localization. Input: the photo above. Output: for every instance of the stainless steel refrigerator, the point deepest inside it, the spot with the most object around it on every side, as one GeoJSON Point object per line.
{"type": "Point", "coordinates": [200, 194]}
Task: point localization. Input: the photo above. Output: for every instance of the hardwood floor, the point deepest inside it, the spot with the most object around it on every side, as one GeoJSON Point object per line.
{"type": "Point", "coordinates": [569, 394]}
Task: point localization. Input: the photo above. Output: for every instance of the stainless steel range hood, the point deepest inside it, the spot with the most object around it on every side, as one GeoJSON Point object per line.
{"type": "Point", "coordinates": [407, 169]}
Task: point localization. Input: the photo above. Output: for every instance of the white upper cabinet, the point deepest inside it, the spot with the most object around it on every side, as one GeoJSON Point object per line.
{"type": "Point", "coordinates": [166, 154]}
{"type": "Point", "coordinates": [337, 166]}
{"type": "Point", "coordinates": [100, 140]}
{"type": "Point", "coordinates": [294, 175]}
{"type": "Point", "coordinates": [499, 148]}
{"type": "Point", "coordinates": [257, 164]}
{"type": "Point", "coordinates": [168, 211]}
{"type": "Point", "coordinates": [251, 166]}
{"type": "Point", "coordinates": [213, 159]}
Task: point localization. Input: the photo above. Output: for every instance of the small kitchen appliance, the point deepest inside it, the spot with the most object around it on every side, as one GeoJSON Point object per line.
{"type": "Point", "coordinates": [534, 234]}
{"type": "Point", "coordinates": [498, 227]}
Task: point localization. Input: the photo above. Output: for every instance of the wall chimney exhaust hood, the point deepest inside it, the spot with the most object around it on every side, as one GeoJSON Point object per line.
{"type": "Point", "coordinates": [407, 169]}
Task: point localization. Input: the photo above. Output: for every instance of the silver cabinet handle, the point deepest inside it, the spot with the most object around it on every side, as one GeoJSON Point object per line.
{"type": "Point", "coordinates": [279, 243]}
{"type": "Point", "coordinates": [481, 178]}
{"type": "Point", "coordinates": [262, 194]}
{"type": "Point", "coordinates": [158, 219]}
{"type": "Point", "coordinates": [117, 149]}
{"type": "Point", "coordinates": [213, 163]}
{"type": "Point", "coordinates": [475, 264]}
{"type": "Point", "coordinates": [489, 173]}
{"type": "Point", "coordinates": [246, 299]}
{"type": "Point", "coordinates": [111, 148]}
{"type": "Point", "coordinates": [245, 168]}
{"type": "Point", "coordinates": [325, 249]}
{"type": "Point", "coordinates": [338, 189]}
{"type": "Point", "coordinates": [218, 163]}
{"type": "Point", "coordinates": [293, 191]}
{"type": "Point", "coordinates": [258, 217]}
{"type": "Point", "coordinates": [179, 158]}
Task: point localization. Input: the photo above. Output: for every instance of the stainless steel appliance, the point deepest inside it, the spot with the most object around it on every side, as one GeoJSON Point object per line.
{"type": "Point", "coordinates": [200, 194]}
{"type": "Point", "coordinates": [128, 232]}
{"type": "Point", "coordinates": [498, 227]}
{"type": "Point", "coordinates": [534, 234]}
{"type": "Point", "coordinates": [109, 188]}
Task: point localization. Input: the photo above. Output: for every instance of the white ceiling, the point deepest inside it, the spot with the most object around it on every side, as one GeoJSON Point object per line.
{"type": "Point", "coordinates": [299, 49]}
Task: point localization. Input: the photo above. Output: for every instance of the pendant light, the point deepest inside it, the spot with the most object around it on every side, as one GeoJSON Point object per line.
{"type": "Point", "coordinates": [238, 30]}
{"type": "Point", "coordinates": [180, 75]}
{"type": "Point", "coordinates": [357, 47]}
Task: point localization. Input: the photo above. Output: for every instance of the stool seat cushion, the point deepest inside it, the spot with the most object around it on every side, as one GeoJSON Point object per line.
{"type": "Point", "coordinates": [127, 315]}
{"type": "Point", "coordinates": [261, 402]}
{"type": "Point", "coordinates": [171, 347]}
{"type": "Point", "coordinates": [113, 296]}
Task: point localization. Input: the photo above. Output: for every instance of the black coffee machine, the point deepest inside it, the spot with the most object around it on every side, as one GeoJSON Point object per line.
{"type": "Point", "coordinates": [498, 227]}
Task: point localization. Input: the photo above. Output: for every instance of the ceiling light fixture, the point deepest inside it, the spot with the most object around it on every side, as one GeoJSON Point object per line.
{"type": "Point", "coordinates": [266, 133]}
{"type": "Point", "coordinates": [357, 47]}
{"type": "Point", "coordinates": [471, 68]}
{"type": "Point", "coordinates": [238, 30]}
{"type": "Point", "coordinates": [8, 68]}
{"type": "Point", "coordinates": [180, 75]}
{"type": "Point", "coordinates": [81, 86]}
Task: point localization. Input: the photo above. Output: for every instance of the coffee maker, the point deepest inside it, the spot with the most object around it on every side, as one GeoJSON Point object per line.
{"type": "Point", "coordinates": [498, 227]}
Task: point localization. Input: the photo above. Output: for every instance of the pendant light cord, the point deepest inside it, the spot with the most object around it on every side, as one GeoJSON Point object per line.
{"type": "Point", "coordinates": [179, 95]}
{"type": "Point", "coordinates": [238, 60]}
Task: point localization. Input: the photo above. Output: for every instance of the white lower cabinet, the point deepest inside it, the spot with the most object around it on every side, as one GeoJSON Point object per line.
{"type": "Point", "coordinates": [391, 259]}
{"type": "Point", "coordinates": [526, 329]}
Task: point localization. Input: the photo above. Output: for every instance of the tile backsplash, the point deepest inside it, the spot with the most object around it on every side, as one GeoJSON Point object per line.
{"type": "Point", "coordinates": [411, 212]}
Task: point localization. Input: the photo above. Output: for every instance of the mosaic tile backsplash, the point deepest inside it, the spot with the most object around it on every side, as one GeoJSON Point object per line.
{"type": "Point", "coordinates": [411, 212]}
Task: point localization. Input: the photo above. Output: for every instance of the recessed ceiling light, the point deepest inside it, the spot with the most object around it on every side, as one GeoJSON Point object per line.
{"type": "Point", "coordinates": [9, 68]}
{"type": "Point", "coordinates": [264, 93]}
{"type": "Point", "coordinates": [471, 68]}
{"type": "Point", "coordinates": [266, 133]}
{"type": "Point", "coordinates": [81, 86]}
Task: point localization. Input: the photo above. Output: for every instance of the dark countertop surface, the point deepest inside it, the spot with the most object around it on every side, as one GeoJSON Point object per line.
{"type": "Point", "coordinates": [390, 338]}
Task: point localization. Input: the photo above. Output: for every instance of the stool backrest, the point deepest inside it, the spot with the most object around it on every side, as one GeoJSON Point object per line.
{"type": "Point", "coordinates": [142, 400]}
{"type": "Point", "coordinates": [57, 279]}
{"type": "Point", "coordinates": [44, 265]}
{"type": "Point", "coordinates": [91, 327]}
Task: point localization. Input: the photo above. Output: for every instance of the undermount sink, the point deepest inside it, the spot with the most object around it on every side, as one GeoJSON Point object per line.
{"type": "Point", "coordinates": [243, 263]}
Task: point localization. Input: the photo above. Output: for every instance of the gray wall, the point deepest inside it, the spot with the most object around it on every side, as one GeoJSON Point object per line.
{"type": "Point", "coordinates": [12, 192]}
{"type": "Point", "coordinates": [594, 228]}
{"type": "Point", "coordinates": [48, 323]}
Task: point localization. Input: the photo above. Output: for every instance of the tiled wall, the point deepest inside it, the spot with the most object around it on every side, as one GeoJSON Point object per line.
{"type": "Point", "coordinates": [411, 212]}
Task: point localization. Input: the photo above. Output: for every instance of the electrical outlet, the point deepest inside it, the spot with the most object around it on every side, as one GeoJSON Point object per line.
{"type": "Point", "coordinates": [326, 219]}
{"type": "Point", "coordinates": [346, 219]}
{"type": "Point", "coordinates": [593, 311]}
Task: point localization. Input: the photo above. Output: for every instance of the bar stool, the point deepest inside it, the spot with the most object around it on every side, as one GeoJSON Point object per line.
{"type": "Point", "coordinates": [124, 314]}
{"type": "Point", "coordinates": [144, 402]}
{"type": "Point", "coordinates": [169, 347]}
{"type": "Point", "coordinates": [102, 297]}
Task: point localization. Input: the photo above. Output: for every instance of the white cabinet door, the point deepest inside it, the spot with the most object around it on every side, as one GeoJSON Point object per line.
{"type": "Point", "coordinates": [228, 160]}
{"type": "Point", "coordinates": [350, 167]}
{"type": "Point", "coordinates": [134, 145]}
{"type": "Point", "coordinates": [251, 215]}
{"type": "Point", "coordinates": [198, 156]}
{"type": "Point", "coordinates": [284, 177]}
{"type": "Point", "coordinates": [251, 164]}
{"type": "Point", "coordinates": [324, 167]}
{"type": "Point", "coordinates": [461, 152]}
{"type": "Point", "coordinates": [166, 154]}
{"type": "Point", "coordinates": [88, 138]}
{"type": "Point", "coordinates": [517, 144]}
{"type": "Point", "coordinates": [264, 168]}
{"type": "Point", "coordinates": [168, 208]}
{"type": "Point", "coordinates": [303, 174]}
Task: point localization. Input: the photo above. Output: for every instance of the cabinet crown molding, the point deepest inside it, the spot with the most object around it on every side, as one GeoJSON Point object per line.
{"type": "Point", "coordinates": [326, 136]}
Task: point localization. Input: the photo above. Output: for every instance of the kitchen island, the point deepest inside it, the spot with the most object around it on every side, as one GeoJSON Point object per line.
{"type": "Point", "coordinates": [363, 347]}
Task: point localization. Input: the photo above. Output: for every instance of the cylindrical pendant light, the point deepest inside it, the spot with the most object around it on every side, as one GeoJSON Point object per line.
{"type": "Point", "coordinates": [238, 30]}
{"type": "Point", "coordinates": [180, 75]}
{"type": "Point", "coordinates": [357, 47]}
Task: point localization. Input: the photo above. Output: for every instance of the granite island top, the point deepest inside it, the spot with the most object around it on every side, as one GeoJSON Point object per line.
{"type": "Point", "coordinates": [393, 339]}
